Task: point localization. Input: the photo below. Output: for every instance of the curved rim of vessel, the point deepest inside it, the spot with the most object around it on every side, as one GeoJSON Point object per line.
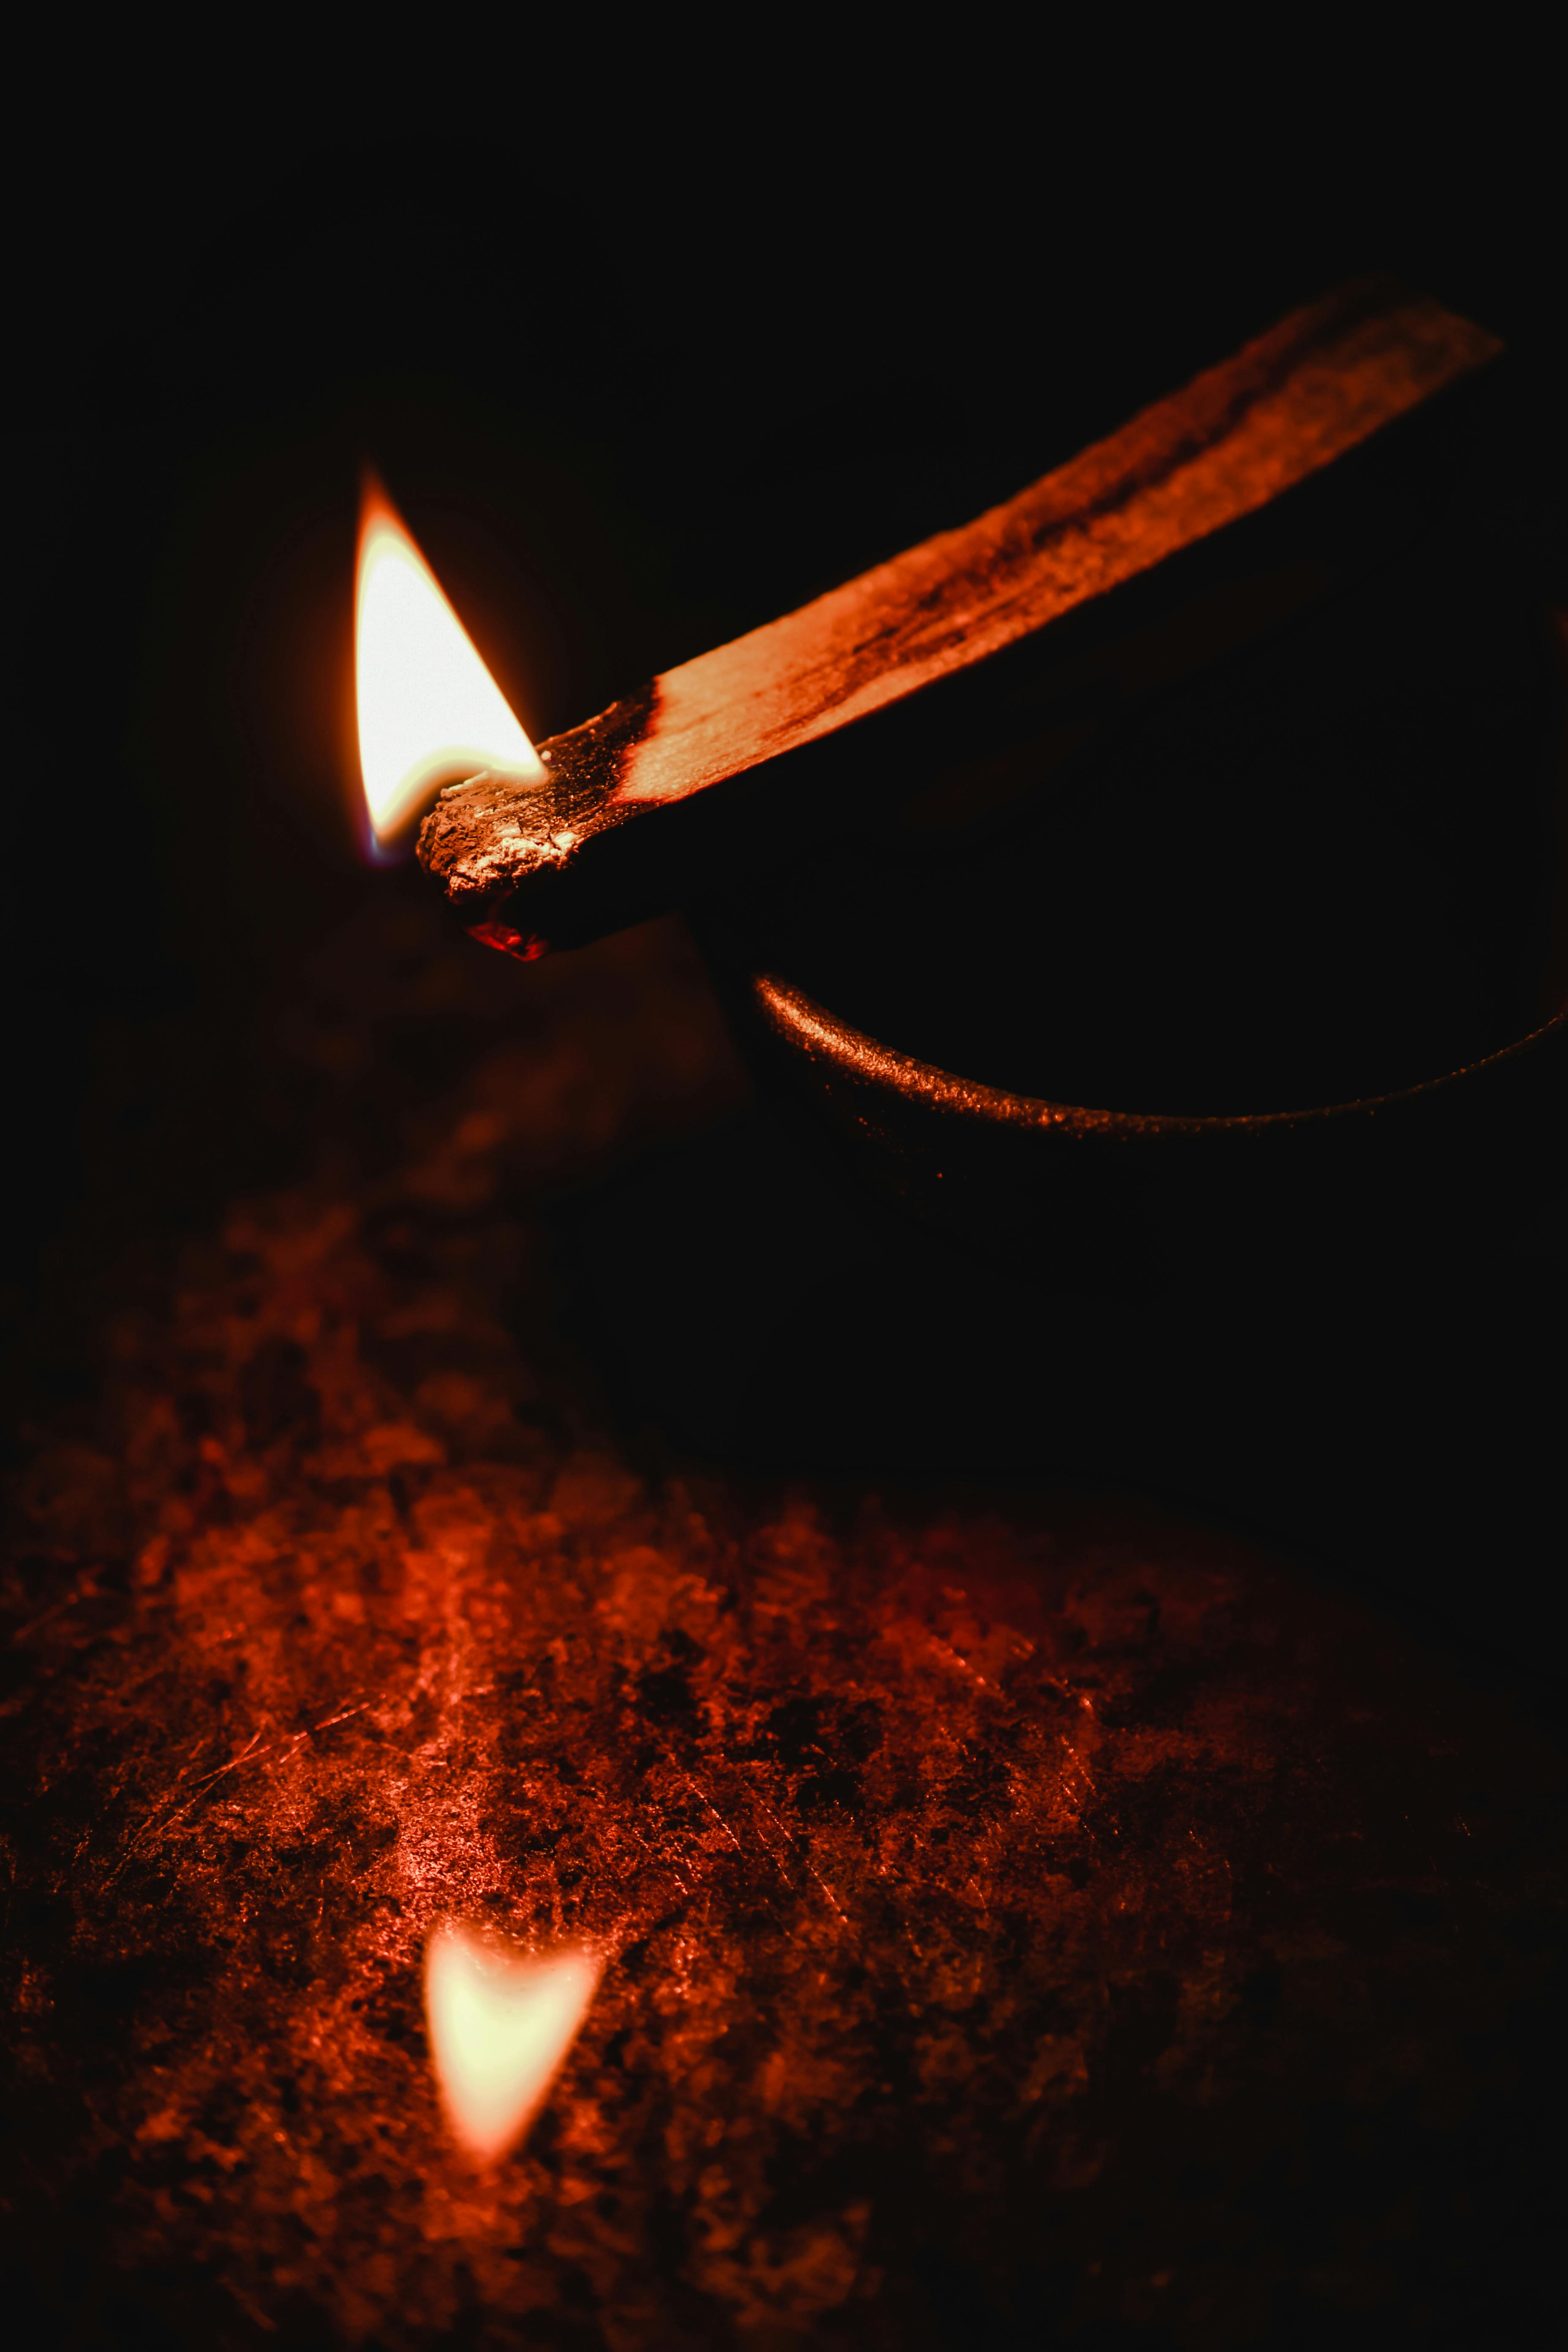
{"type": "Point", "coordinates": [823, 1036]}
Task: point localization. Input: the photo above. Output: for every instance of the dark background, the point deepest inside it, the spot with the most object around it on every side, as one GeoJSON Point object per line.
{"type": "Point", "coordinates": [647, 354]}
{"type": "Point", "coordinates": [649, 347]}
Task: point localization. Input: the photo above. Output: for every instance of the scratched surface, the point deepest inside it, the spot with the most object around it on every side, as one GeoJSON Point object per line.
{"type": "Point", "coordinates": [1021, 1923]}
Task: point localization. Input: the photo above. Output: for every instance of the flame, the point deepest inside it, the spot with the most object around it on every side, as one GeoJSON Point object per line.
{"type": "Point", "coordinates": [429, 711]}
{"type": "Point", "coordinates": [501, 2024]}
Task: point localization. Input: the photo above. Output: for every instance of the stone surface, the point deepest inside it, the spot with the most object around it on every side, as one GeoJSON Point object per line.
{"type": "Point", "coordinates": [1023, 1918]}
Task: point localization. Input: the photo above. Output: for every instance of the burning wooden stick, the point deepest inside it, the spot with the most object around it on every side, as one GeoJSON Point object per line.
{"type": "Point", "coordinates": [869, 689]}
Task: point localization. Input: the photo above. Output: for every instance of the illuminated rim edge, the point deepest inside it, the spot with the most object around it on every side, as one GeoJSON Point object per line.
{"type": "Point", "coordinates": [804, 1022]}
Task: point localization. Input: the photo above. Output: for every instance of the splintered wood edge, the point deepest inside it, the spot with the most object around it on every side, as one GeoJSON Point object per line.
{"type": "Point", "coordinates": [1324, 379]}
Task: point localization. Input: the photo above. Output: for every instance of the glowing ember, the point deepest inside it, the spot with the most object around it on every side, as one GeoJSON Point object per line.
{"type": "Point", "coordinates": [429, 711]}
{"type": "Point", "coordinates": [501, 2024]}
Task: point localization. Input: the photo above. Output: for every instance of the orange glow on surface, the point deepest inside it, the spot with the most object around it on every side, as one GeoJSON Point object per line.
{"type": "Point", "coordinates": [501, 2024]}
{"type": "Point", "coordinates": [430, 712]}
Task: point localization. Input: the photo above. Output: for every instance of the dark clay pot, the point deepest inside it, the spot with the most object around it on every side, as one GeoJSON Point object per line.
{"type": "Point", "coordinates": [1253, 951]}
{"type": "Point", "coordinates": [1099, 1197]}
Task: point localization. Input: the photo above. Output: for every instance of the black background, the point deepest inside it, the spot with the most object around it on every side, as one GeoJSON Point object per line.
{"type": "Point", "coordinates": [649, 347]}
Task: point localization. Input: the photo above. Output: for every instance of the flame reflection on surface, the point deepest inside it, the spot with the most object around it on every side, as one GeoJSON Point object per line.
{"type": "Point", "coordinates": [501, 2024]}
{"type": "Point", "coordinates": [430, 712]}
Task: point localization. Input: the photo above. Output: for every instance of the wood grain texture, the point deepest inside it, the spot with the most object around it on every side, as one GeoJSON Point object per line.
{"type": "Point", "coordinates": [1310, 389]}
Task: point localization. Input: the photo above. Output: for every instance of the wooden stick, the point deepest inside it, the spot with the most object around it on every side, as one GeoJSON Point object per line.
{"type": "Point", "coordinates": [712, 764]}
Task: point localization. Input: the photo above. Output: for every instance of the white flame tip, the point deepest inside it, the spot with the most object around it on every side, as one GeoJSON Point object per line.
{"type": "Point", "coordinates": [429, 711]}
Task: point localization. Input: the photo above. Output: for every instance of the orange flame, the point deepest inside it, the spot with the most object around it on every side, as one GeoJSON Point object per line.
{"type": "Point", "coordinates": [500, 2025]}
{"type": "Point", "coordinates": [429, 711]}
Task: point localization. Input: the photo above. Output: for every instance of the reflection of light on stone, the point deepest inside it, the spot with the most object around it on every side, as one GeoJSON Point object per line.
{"type": "Point", "coordinates": [501, 2024]}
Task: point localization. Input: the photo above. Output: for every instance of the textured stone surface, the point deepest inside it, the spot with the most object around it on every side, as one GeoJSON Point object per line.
{"type": "Point", "coordinates": [1021, 1920]}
